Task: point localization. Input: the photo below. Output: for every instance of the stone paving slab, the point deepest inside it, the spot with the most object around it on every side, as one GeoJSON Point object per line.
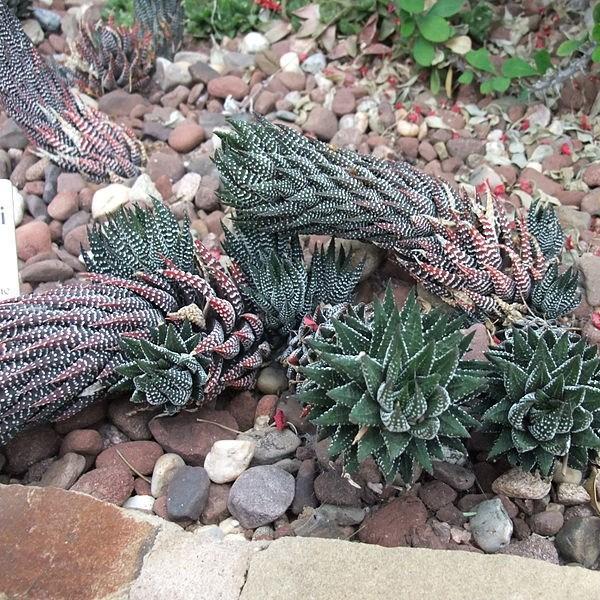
{"type": "Point", "coordinates": [319, 569]}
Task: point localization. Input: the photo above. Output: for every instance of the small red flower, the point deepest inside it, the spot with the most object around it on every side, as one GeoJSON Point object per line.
{"type": "Point", "coordinates": [269, 5]}
{"type": "Point", "coordinates": [526, 186]}
{"type": "Point", "coordinates": [399, 105]}
{"type": "Point", "coordinates": [309, 322]}
{"type": "Point", "coordinates": [496, 340]}
{"type": "Point", "coordinates": [303, 56]}
{"type": "Point", "coordinates": [569, 244]}
{"type": "Point", "coordinates": [280, 420]}
{"type": "Point", "coordinates": [499, 190]}
{"type": "Point", "coordinates": [305, 411]}
{"type": "Point", "coordinates": [455, 135]}
{"type": "Point", "coordinates": [412, 117]}
{"type": "Point", "coordinates": [391, 8]}
{"type": "Point", "coordinates": [524, 125]}
{"type": "Point", "coordinates": [596, 320]}
{"type": "Point", "coordinates": [455, 108]}
{"type": "Point", "coordinates": [566, 149]}
{"type": "Point", "coordinates": [503, 137]}
{"type": "Point", "coordinates": [363, 70]}
{"type": "Point", "coordinates": [481, 188]}
{"type": "Point", "coordinates": [392, 80]}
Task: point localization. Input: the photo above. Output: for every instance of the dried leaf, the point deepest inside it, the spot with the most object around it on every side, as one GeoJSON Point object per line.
{"type": "Point", "coordinates": [377, 49]}
{"type": "Point", "coordinates": [367, 34]}
{"type": "Point", "coordinates": [461, 44]}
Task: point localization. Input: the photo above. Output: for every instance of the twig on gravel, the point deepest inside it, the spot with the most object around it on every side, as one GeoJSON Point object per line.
{"type": "Point", "coordinates": [133, 468]}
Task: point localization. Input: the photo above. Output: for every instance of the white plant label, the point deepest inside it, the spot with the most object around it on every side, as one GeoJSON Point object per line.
{"type": "Point", "coordinates": [9, 272]}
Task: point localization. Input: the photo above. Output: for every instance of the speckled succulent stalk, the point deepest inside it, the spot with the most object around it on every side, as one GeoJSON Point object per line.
{"type": "Point", "coordinates": [20, 8]}
{"type": "Point", "coordinates": [544, 399]}
{"type": "Point", "coordinates": [62, 127]}
{"type": "Point", "coordinates": [107, 56]}
{"type": "Point", "coordinates": [164, 20]}
{"type": "Point", "coordinates": [463, 249]}
{"type": "Point", "coordinates": [157, 316]}
{"type": "Point", "coordinates": [392, 387]}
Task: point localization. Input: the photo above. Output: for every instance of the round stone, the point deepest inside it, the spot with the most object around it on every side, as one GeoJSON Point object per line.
{"type": "Point", "coordinates": [165, 468]}
{"type": "Point", "coordinates": [228, 459]}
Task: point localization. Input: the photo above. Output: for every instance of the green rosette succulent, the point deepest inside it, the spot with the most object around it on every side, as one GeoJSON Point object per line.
{"type": "Point", "coordinates": [547, 386]}
{"type": "Point", "coordinates": [164, 371]}
{"type": "Point", "coordinates": [392, 387]}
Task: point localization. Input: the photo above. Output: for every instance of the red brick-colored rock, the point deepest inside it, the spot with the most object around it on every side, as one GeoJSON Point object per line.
{"type": "Point", "coordinates": [59, 545]}
{"type": "Point", "coordinates": [33, 238]}
{"type": "Point", "coordinates": [64, 205]}
{"type": "Point", "coordinates": [395, 523]}
{"type": "Point", "coordinates": [29, 447]}
{"type": "Point", "coordinates": [186, 136]}
{"type": "Point", "coordinates": [228, 85]}
{"type": "Point", "coordinates": [141, 455]}
{"type": "Point", "coordinates": [183, 434]}
{"type": "Point", "coordinates": [111, 484]}
{"type": "Point", "coordinates": [243, 406]}
{"type": "Point", "coordinates": [82, 420]}
{"type": "Point", "coordinates": [82, 441]}
{"type": "Point", "coordinates": [266, 406]}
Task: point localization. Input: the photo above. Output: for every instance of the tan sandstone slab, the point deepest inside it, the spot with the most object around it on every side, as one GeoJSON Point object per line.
{"type": "Point", "coordinates": [302, 569]}
{"type": "Point", "coordinates": [57, 545]}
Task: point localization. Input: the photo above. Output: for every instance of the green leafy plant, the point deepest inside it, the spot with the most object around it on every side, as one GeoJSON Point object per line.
{"type": "Point", "coordinates": [545, 399]}
{"type": "Point", "coordinates": [392, 387]}
{"type": "Point", "coordinates": [220, 18]}
{"type": "Point", "coordinates": [121, 10]}
{"type": "Point", "coordinates": [589, 41]}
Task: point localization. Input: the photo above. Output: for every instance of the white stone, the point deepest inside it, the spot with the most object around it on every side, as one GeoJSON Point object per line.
{"type": "Point", "coordinates": [144, 503]}
{"type": "Point", "coordinates": [230, 525]}
{"type": "Point", "coordinates": [33, 31]}
{"type": "Point", "coordinates": [185, 189]}
{"type": "Point", "coordinates": [107, 200]}
{"type": "Point", "coordinates": [272, 380]}
{"type": "Point", "coordinates": [18, 206]}
{"type": "Point", "coordinates": [315, 63]}
{"type": "Point", "coordinates": [289, 62]}
{"type": "Point", "coordinates": [164, 469]}
{"type": "Point", "coordinates": [169, 75]}
{"type": "Point", "coordinates": [407, 129]}
{"type": "Point", "coordinates": [235, 537]}
{"type": "Point", "coordinates": [209, 533]}
{"type": "Point", "coordinates": [347, 121]}
{"type": "Point", "coordinates": [191, 58]}
{"type": "Point", "coordinates": [143, 190]}
{"type": "Point", "coordinates": [491, 526]}
{"type": "Point", "coordinates": [228, 459]}
{"type": "Point", "coordinates": [254, 42]}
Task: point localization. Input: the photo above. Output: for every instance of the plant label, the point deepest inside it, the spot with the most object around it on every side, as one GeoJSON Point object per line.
{"type": "Point", "coordinates": [9, 272]}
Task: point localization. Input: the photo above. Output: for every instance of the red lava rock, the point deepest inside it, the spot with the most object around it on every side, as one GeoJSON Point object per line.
{"type": "Point", "coordinates": [265, 102]}
{"type": "Point", "coordinates": [454, 120]}
{"type": "Point", "coordinates": [427, 151]}
{"type": "Point", "coordinates": [83, 419]}
{"type": "Point", "coordinates": [570, 197]}
{"type": "Point", "coordinates": [591, 175]}
{"type": "Point", "coordinates": [119, 103]}
{"type": "Point", "coordinates": [332, 488]}
{"type": "Point", "coordinates": [186, 136]}
{"type": "Point", "coordinates": [82, 441]}
{"type": "Point", "coordinates": [426, 537]}
{"type": "Point", "coordinates": [590, 203]}
{"type": "Point", "coordinates": [463, 147]}
{"type": "Point", "coordinates": [76, 239]}
{"type": "Point", "coordinates": [540, 181]}
{"type": "Point", "coordinates": [165, 163]}
{"type": "Point", "coordinates": [469, 501]}
{"type": "Point", "coordinates": [547, 522]}
{"type": "Point", "coordinates": [228, 85]}
{"type": "Point", "coordinates": [436, 494]}
{"type": "Point", "coordinates": [192, 440]}
{"type": "Point", "coordinates": [164, 187]}
{"type": "Point", "coordinates": [394, 524]}
{"type": "Point", "coordinates": [292, 80]}
{"type": "Point", "coordinates": [243, 407]}
{"type": "Point", "coordinates": [141, 455]}
{"type": "Point", "coordinates": [266, 406]}
{"type": "Point", "coordinates": [451, 515]}
{"type": "Point", "coordinates": [33, 238]}
{"type": "Point", "coordinates": [131, 419]}
{"type": "Point", "coordinates": [29, 447]}
{"type": "Point", "coordinates": [215, 509]}
{"type": "Point", "coordinates": [160, 507]}
{"type": "Point", "coordinates": [534, 546]}
{"type": "Point", "coordinates": [206, 199]}
{"type": "Point", "coordinates": [521, 530]}
{"type": "Point", "coordinates": [175, 97]}
{"type": "Point", "coordinates": [142, 487]}
{"type": "Point", "coordinates": [322, 123]}
{"type": "Point", "coordinates": [34, 187]}
{"type": "Point", "coordinates": [344, 102]}
{"type": "Point", "coordinates": [64, 205]}
{"type": "Point", "coordinates": [70, 182]}
{"type": "Point", "coordinates": [213, 222]}
{"type": "Point", "coordinates": [46, 270]}
{"type": "Point", "coordinates": [111, 484]}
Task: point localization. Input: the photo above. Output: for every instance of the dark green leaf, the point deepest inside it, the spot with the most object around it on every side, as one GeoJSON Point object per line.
{"type": "Point", "coordinates": [423, 52]}
{"type": "Point", "coordinates": [517, 67]}
{"type": "Point", "coordinates": [433, 28]}
{"type": "Point", "coordinates": [480, 60]}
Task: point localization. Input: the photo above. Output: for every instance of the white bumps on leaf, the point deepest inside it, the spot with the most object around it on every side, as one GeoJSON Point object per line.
{"type": "Point", "coordinates": [228, 459]}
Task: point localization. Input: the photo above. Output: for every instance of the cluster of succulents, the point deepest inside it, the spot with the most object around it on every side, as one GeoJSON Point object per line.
{"type": "Point", "coordinates": [173, 324]}
{"type": "Point", "coordinates": [464, 250]}
{"type": "Point", "coordinates": [107, 56]}
{"type": "Point", "coordinates": [74, 135]}
{"type": "Point", "coordinates": [392, 387]}
{"type": "Point", "coordinates": [544, 399]}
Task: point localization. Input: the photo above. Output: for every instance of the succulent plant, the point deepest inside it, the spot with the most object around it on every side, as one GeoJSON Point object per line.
{"type": "Point", "coordinates": [62, 127]}
{"type": "Point", "coordinates": [281, 284]}
{"type": "Point", "coordinates": [463, 249]}
{"type": "Point", "coordinates": [20, 8]}
{"type": "Point", "coordinates": [164, 19]}
{"type": "Point", "coordinates": [392, 387]}
{"type": "Point", "coordinates": [107, 56]}
{"type": "Point", "coordinates": [544, 399]}
{"type": "Point", "coordinates": [61, 350]}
